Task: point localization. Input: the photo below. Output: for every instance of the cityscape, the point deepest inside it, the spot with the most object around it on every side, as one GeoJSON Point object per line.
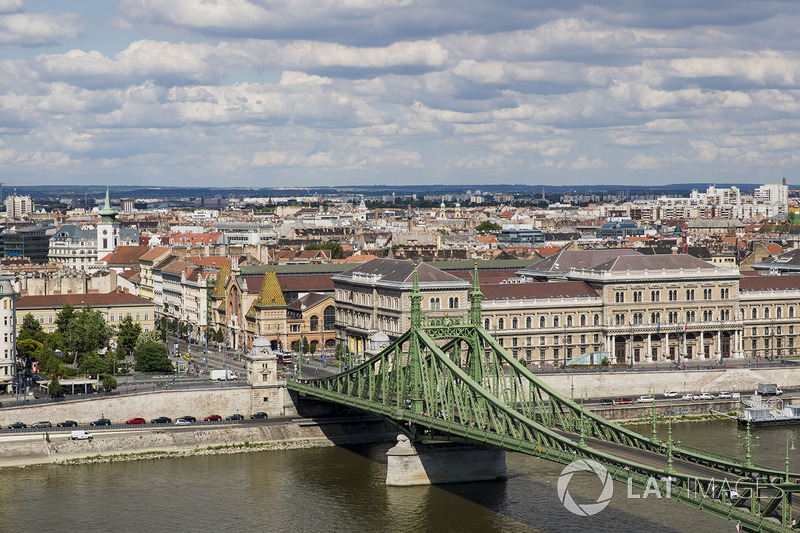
{"type": "Point", "coordinates": [390, 266]}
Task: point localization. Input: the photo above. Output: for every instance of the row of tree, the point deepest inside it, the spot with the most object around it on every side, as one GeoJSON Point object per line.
{"type": "Point", "coordinates": [80, 345]}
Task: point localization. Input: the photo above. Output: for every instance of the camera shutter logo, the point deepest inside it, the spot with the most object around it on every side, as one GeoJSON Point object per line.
{"type": "Point", "coordinates": [586, 509]}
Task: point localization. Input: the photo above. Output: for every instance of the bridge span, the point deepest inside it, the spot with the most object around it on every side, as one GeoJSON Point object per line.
{"type": "Point", "coordinates": [447, 379]}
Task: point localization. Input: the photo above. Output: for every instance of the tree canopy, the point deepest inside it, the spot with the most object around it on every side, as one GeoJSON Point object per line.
{"type": "Point", "coordinates": [487, 227]}
{"type": "Point", "coordinates": [337, 252]}
{"type": "Point", "coordinates": [153, 357]}
{"type": "Point", "coordinates": [128, 333]}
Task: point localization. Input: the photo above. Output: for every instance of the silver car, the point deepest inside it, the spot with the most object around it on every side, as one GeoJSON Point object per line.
{"type": "Point", "coordinates": [182, 422]}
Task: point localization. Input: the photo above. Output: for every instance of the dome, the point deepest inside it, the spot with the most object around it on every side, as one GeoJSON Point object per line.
{"type": "Point", "coordinates": [379, 337]}
{"type": "Point", "coordinates": [260, 344]}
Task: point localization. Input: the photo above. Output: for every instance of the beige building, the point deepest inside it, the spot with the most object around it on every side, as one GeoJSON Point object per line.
{"type": "Point", "coordinates": [114, 306]}
{"type": "Point", "coordinates": [375, 297]}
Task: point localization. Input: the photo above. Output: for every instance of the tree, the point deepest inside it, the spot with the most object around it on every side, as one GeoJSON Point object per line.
{"type": "Point", "coordinates": [220, 336]}
{"type": "Point", "coordinates": [128, 333]}
{"type": "Point", "coordinates": [28, 347]}
{"type": "Point", "coordinates": [31, 329]}
{"type": "Point", "coordinates": [148, 336]}
{"type": "Point", "coordinates": [312, 348]}
{"type": "Point", "coordinates": [109, 383]}
{"type": "Point", "coordinates": [64, 318]}
{"type": "Point", "coordinates": [54, 389]}
{"type": "Point", "coordinates": [487, 227]}
{"type": "Point", "coordinates": [92, 364]}
{"type": "Point", "coordinates": [152, 357]}
{"type": "Point", "coordinates": [337, 252]}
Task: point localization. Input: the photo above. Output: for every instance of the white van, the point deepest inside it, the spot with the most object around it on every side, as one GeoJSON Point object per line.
{"type": "Point", "coordinates": [81, 434]}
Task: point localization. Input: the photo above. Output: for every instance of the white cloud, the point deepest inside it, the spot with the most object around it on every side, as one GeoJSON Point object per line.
{"type": "Point", "coordinates": [584, 163]}
{"type": "Point", "coordinates": [33, 29]}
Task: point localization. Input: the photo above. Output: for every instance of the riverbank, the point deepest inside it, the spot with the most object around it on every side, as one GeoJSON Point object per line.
{"type": "Point", "coordinates": [131, 445]}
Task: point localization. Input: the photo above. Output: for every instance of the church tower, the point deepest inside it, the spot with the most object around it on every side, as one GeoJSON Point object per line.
{"type": "Point", "coordinates": [107, 229]}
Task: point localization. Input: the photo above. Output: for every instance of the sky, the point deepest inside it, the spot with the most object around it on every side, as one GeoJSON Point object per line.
{"type": "Point", "coordinates": [295, 93]}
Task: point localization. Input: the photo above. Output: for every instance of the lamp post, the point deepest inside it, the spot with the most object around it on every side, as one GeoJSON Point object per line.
{"type": "Point", "coordinates": [786, 515]}
{"type": "Point", "coordinates": [748, 445]}
{"type": "Point", "coordinates": [630, 347]}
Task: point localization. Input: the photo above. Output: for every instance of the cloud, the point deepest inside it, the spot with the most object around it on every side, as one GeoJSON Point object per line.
{"type": "Point", "coordinates": [33, 29]}
{"type": "Point", "coordinates": [584, 163]}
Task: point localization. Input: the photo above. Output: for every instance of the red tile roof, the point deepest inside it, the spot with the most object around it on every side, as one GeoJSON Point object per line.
{"type": "Point", "coordinates": [537, 291]}
{"type": "Point", "coordinates": [126, 255]}
{"type": "Point", "coordinates": [81, 300]}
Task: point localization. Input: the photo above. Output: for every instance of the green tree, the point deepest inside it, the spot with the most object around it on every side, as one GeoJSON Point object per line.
{"type": "Point", "coordinates": [128, 333]}
{"type": "Point", "coordinates": [54, 389]}
{"type": "Point", "coordinates": [64, 319]}
{"type": "Point", "coordinates": [312, 348]}
{"type": "Point", "coordinates": [152, 357]}
{"type": "Point", "coordinates": [109, 383]}
{"type": "Point", "coordinates": [337, 252]}
{"type": "Point", "coordinates": [92, 364]}
{"type": "Point", "coordinates": [487, 227]}
{"type": "Point", "coordinates": [28, 348]}
{"type": "Point", "coordinates": [220, 336]}
{"type": "Point", "coordinates": [31, 329]}
{"type": "Point", "coordinates": [148, 336]}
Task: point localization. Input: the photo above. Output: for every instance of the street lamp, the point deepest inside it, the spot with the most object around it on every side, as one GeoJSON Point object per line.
{"type": "Point", "coordinates": [748, 445]}
{"type": "Point", "coordinates": [790, 437]}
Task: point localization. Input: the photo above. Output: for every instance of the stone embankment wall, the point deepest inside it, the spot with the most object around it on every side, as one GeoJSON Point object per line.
{"type": "Point", "coordinates": [126, 445]}
{"type": "Point", "coordinates": [618, 384]}
{"type": "Point", "coordinates": [274, 400]}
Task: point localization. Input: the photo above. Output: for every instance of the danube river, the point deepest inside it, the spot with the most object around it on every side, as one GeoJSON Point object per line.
{"type": "Point", "coordinates": [341, 490]}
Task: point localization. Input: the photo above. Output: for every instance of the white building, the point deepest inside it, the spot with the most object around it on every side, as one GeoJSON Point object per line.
{"type": "Point", "coordinates": [19, 206]}
{"type": "Point", "coordinates": [8, 332]}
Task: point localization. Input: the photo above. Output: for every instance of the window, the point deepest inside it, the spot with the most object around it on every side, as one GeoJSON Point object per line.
{"type": "Point", "coordinates": [690, 294]}
{"type": "Point", "coordinates": [138, 317]}
{"type": "Point", "coordinates": [766, 312]}
{"type": "Point", "coordinates": [313, 323]}
{"type": "Point", "coordinates": [779, 312]}
{"type": "Point", "coordinates": [453, 303]}
{"type": "Point", "coordinates": [791, 312]}
{"type": "Point", "coordinates": [754, 313]}
{"type": "Point", "coordinates": [619, 297]}
{"type": "Point", "coordinates": [435, 303]}
{"type": "Point", "coordinates": [637, 296]}
{"type": "Point", "coordinates": [596, 320]}
{"type": "Point", "coordinates": [569, 321]}
{"type": "Point", "coordinates": [329, 318]}
{"type": "Point", "coordinates": [501, 323]}
{"type": "Point", "coordinates": [555, 321]}
{"type": "Point", "coordinates": [528, 322]}
{"type": "Point", "coordinates": [542, 340]}
{"type": "Point", "coordinates": [111, 317]}
{"type": "Point", "coordinates": [583, 320]}
{"type": "Point", "coordinates": [486, 324]}
{"type": "Point", "coordinates": [515, 323]}
{"type": "Point", "coordinates": [655, 296]}
{"type": "Point", "coordinates": [542, 321]}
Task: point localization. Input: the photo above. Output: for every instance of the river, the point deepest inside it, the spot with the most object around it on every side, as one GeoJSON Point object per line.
{"type": "Point", "coordinates": [342, 490]}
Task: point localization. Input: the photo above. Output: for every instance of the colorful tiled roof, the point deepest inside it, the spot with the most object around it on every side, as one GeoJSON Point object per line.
{"type": "Point", "coordinates": [271, 294]}
{"type": "Point", "coordinates": [222, 280]}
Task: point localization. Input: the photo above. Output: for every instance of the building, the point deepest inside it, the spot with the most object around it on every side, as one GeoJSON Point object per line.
{"type": "Point", "coordinates": [19, 206]}
{"type": "Point", "coordinates": [32, 242]}
{"type": "Point", "coordinates": [8, 333]}
{"type": "Point", "coordinates": [375, 296]}
{"type": "Point", "coordinates": [114, 306]}
{"type": "Point", "coordinates": [78, 247]}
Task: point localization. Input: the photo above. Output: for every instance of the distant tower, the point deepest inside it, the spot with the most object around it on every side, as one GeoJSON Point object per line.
{"type": "Point", "coordinates": [543, 198]}
{"type": "Point", "coordinates": [107, 229]}
{"type": "Point", "coordinates": [409, 217]}
{"type": "Point", "coordinates": [458, 213]}
{"type": "Point", "coordinates": [442, 212]}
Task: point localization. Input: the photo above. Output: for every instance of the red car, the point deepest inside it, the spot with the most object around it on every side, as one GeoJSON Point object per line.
{"type": "Point", "coordinates": [212, 418]}
{"type": "Point", "coordinates": [136, 421]}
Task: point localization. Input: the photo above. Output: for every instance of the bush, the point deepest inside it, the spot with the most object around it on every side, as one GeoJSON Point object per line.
{"type": "Point", "coordinates": [109, 383]}
{"type": "Point", "coordinates": [54, 389]}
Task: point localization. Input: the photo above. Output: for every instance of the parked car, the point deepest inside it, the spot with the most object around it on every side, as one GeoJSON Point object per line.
{"type": "Point", "coordinates": [137, 420]}
{"type": "Point", "coordinates": [625, 400]}
{"type": "Point", "coordinates": [236, 416]}
{"type": "Point", "coordinates": [687, 397]}
{"type": "Point", "coordinates": [161, 420]}
{"type": "Point", "coordinates": [18, 425]}
{"type": "Point", "coordinates": [260, 414]}
{"type": "Point", "coordinates": [670, 394]}
{"type": "Point", "coordinates": [607, 401]}
{"type": "Point", "coordinates": [67, 424]}
{"type": "Point", "coordinates": [183, 422]}
{"type": "Point", "coordinates": [645, 399]}
{"type": "Point", "coordinates": [212, 418]}
{"type": "Point", "coordinates": [81, 434]}
{"type": "Point", "coordinates": [189, 418]}
{"type": "Point", "coordinates": [42, 424]}
{"type": "Point", "coordinates": [101, 422]}
{"type": "Point", "coordinates": [724, 396]}
{"type": "Point", "coordinates": [704, 396]}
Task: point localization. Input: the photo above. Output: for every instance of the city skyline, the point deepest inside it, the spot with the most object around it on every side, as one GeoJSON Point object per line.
{"type": "Point", "coordinates": [249, 93]}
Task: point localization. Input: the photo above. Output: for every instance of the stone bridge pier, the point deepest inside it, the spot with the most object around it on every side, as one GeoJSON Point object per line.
{"type": "Point", "coordinates": [442, 462]}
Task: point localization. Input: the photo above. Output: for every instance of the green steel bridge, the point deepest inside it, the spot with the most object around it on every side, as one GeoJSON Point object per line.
{"type": "Point", "coordinates": [448, 379]}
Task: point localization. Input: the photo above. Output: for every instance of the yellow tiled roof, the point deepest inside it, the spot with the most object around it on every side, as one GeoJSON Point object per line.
{"type": "Point", "coordinates": [222, 279]}
{"type": "Point", "coordinates": [271, 294]}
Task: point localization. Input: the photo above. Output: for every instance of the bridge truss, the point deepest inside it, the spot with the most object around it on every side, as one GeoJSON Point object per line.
{"type": "Point", "coordinates": [447, 378]}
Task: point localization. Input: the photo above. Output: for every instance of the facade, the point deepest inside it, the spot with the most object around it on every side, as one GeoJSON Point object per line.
{"type": "Point", "coordinates": [78, 247]}
{"type": "Point", "coordinates": [8, 333]}
{"type": "Point", "coordinates": [19, 206]}
{"type": "Point", "coordinates": [113, 305]}
{"type": "Point", "coordinates": [32, 242]}
{"type": "Point", "coordinates": [375, 296]}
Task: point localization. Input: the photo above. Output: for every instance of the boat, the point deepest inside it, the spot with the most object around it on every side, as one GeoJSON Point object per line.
{"type": "Point", "coordinates": [772, 412]}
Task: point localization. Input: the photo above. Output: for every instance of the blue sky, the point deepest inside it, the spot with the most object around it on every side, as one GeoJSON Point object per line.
{"type": "Point", "coordinates": [272, 93]}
